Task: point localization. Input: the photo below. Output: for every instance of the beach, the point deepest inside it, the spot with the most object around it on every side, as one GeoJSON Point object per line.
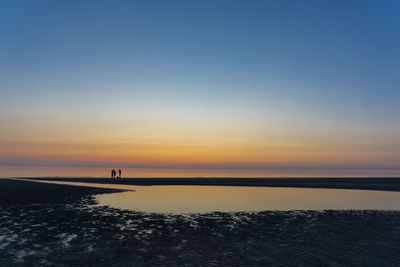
{"type": "Point", "coordinates": [385, 184]}
{"type": "Point", "coordinates": [59, 225]}
{"type": "Point", "coordinates": [199, 133]}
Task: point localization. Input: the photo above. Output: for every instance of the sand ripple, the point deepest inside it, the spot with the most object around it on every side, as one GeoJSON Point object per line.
{"type": "Point", "coordinates": [82, 235]}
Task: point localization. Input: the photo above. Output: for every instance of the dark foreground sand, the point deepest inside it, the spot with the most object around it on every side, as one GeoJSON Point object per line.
{"type": "Point", "coordinates": [13, 191]}
{"type": "Point", "coordinates": [70, 232]}
{"type": "Point", "coordinates": [387, 184]}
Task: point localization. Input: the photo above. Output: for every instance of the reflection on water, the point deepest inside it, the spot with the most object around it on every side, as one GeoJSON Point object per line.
{"type": "Point", "coordinates": [203, 199]}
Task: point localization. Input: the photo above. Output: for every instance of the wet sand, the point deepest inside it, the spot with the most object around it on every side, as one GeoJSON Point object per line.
{"type": "Point", "coordinates": [386, 184]}
{"type": "Point", "coordinates": [65, 229]}
{"type": "Point", "coordinates": [13, 191]}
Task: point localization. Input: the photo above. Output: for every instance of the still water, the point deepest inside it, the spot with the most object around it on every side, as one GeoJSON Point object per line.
{"type": "Point", "coordinates": [203, 199]}
{"type": "Point", "coordinates": [36, 171]}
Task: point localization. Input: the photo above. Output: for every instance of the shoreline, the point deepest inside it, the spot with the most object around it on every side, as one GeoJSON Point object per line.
{"type": "Point", "coordinates": [22, 192]}
{"type": "Point", "coordinates": [382, 184]}
{"type": "Point", "coordinates": [57, 225]}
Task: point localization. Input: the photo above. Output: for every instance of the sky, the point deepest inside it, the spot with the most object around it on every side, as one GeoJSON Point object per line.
{"type": "Point", "coordinates": [200, 85]}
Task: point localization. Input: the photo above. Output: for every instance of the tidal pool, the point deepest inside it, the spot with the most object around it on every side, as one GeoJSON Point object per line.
{"type": "Point", "coordinates": [204, 199]}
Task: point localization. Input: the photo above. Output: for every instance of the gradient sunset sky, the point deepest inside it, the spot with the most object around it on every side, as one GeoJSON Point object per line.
{"type": "Point", "coordinates": [201, 85]}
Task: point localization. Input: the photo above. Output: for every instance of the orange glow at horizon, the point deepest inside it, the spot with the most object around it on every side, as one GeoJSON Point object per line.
{"type": "Point", "coordinates": [202, 150]}
{"type": "Point", "coordinates": [201, 141]}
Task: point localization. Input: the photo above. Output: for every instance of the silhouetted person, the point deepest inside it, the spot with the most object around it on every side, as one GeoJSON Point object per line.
{"type": "Point", "coordinates": [119, 173]}
{"type": "Point", "coordinates": [113, 173]}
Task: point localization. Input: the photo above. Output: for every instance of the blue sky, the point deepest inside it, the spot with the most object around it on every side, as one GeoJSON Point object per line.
{"type": "Point", "coordinates": [324, 69]}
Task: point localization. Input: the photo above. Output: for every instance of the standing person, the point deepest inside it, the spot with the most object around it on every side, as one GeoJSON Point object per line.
{"type": "Point", "coordinates": [119, 173]}
{"type": "Point", "coordinates": [112, 173]}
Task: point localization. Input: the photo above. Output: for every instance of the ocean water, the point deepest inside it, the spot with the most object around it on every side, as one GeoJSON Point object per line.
{"type": "Point", "coordinates": [36, 171]}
